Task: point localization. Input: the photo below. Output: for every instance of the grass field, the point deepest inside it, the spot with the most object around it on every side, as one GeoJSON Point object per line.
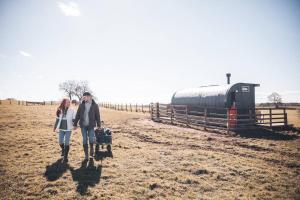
{"type": "Point", "coordinates": [150, 160]}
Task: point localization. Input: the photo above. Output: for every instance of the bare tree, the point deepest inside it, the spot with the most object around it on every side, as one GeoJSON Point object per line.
{"type": "Point", "coordinates": [81, 87]}
{"type": "Point", "coordinates": [68, 87]}
{"type": "Point", "coordinates": [275, 98]}
{"type": "Point", "coordinates": [75, 88]}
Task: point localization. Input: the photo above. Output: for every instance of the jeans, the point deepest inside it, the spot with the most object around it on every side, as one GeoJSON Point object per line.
{"type": "Point", "coordinates": [64, 137]}
{"type": "Point", "coordinates": [88, 133]}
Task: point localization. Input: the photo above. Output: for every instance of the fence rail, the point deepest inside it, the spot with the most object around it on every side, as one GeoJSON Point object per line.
{"type": "Point", "coordinates": [27, 103]}
{"type": "Point", "coordinates": [145, 108]}
{"type": "Point", "coordinates": [219, 118]}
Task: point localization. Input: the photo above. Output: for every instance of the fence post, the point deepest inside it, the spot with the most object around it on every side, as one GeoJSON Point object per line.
{"type": "Point", "coordinates": [228, 125]}
{"type": "Point", "coordinates": [130, 108]}
{"type": "Point", "coordinates": [26, 103]}
{"type": "Point", "coordinates": [10, 101]}
{"type": "Point", "coordinates": [250, 117]}
{"type": "Point", "coordinates": [44, 103]}
{"type": "Point", "coordinates": [171, 106]}
{"type": "Point", "coordinates": [0, 102]}
{"type": "Point", "coordinates": [205, 118]}
{"type": "Point", "coordinates": [136, 109]}
{"type": "Point", "coordinates": [186, 115]}
{"type": "Point", "coordinates": [157, 111]}
{"type": "Point", "coordinates": [151, 111]}
{"type": "Point", "coordinates": [270, 117]}
{"type": "Point", "coordinates": [142, 108]}
{"type": "Point", "coordinates": [285, 117]}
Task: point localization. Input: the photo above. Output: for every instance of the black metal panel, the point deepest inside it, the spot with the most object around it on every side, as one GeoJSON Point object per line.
{"type": "Point", "coordinates": [240, 94]}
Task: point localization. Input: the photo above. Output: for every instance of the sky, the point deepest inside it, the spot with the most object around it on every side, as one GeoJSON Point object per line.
{"type": "Point", "coordinates": [135, 51]}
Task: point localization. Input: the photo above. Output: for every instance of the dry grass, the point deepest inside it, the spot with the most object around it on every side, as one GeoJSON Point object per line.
{"type": "Point", "coordinates": [294, 117]}
{"type": "Point", "coordinates": [150, 160]}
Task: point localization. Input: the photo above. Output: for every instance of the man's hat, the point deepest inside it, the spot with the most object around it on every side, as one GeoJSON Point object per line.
{"type": "Point", "coordinates": [87, 94]}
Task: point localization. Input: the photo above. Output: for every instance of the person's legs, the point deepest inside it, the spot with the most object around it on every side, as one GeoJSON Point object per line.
{"type": "Point", "coordinates": [91, 134]}
{"type": "Point", "coordinates": [61, 141]}
{"type": "Point", "coordinates": [84, 142]}
{"type": "Point", "coordinates": [84, 135]}
{"type": "Point", "coordinates": [67, 145]}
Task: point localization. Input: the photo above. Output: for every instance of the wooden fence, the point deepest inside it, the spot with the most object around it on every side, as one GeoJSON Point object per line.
{"type": "Point", "coordinates": [127, 107]}
{"type": "Point", "coordinates": [27, 103]}
{"type": "Point", "coordinates": [219, 118]}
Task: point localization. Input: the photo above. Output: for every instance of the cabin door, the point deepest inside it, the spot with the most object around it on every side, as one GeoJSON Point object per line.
{"type": "Point", "coordinates": [232, 99]}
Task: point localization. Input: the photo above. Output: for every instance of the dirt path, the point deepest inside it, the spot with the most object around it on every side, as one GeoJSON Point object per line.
{"type": "Point", "coordinates": [150, 160]}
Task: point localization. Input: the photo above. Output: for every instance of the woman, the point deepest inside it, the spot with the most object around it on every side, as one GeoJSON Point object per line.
{"type": "Point", "coordinates": [64, 125]}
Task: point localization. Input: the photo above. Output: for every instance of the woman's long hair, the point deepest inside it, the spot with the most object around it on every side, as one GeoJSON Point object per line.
{"type": "Point", "coordinates": [61, 107]}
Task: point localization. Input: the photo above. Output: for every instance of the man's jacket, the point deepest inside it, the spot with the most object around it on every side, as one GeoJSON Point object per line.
{"type": "Point", "coordinates": [94, 115]}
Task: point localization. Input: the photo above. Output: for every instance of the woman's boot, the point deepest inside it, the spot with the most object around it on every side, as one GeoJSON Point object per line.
{"type": "Point", "coordinates": [86, 151]}
{"type": "Point", "coordinates": [62, 146]}
{"type": "Point", "coordinates": [67, 148]}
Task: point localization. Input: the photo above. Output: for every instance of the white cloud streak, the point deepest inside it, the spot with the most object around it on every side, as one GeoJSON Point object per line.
{"type": "Point", "coordinates": [69, 9]}
{"type": "Point", "coordinates": [3, 56]}
{"type": "Point", "coordinates": [26, 54]}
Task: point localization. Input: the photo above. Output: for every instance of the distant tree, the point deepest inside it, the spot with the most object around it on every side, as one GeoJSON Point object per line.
{"type": "Point", "coordinates": [75, 88]}
{"type": "Point", "coordinates": [81, 87]}
{"type": "Point", "coordinates": [275, 98]}
{"type": "Point", "coordinates": [68, 87]}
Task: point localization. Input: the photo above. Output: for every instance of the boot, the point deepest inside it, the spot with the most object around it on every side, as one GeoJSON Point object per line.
{"type": "Point", "coordinates": [62, 146]}
{"type": "Point", "coordinates": [91, 150]}
{"type": "Point", "coordinates": [67, 148]}
{"type": "Point", "coordinates": [86, 151]}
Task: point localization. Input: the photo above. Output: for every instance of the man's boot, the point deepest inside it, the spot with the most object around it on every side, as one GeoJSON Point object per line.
{"type": "Point", "coordinates": [86, 151]}
{"type": "Point", "coordinates": [91, 149]}
{"type": "Point", "coordinates": [67, 148]}
{"type": "Point", "coordinates": [62, 146]}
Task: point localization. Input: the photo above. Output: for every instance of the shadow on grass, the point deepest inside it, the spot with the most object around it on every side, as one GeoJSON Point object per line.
{"type": "Point", "coordinates": [55, 170]}
{"type": "Point", "coordinates": [286, 133]}
{"type": "Point", "coordinates": [101, 155]}
{"type": "Point", "coordinates": [88, 175]}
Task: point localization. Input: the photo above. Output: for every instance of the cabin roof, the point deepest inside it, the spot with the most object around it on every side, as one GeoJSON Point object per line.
{"type": "Point", "coordinates": [210, 90]}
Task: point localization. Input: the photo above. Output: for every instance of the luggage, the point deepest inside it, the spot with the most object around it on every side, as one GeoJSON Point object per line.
{"type": "Point", "coordinates": [103, 137]}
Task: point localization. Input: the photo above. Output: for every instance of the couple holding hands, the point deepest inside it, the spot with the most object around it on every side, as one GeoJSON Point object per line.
{"type": "Point", "coordinates": [88, 116]}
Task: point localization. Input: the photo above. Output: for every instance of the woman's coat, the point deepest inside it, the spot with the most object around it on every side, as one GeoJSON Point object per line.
{"type": "Point", "coordinates": [70, 116]}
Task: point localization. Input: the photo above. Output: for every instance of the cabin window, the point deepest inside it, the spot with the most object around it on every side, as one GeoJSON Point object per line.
{"type": "Point", "coordinates": [245, 89]}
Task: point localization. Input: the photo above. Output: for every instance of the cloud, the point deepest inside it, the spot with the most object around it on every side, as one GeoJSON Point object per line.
{"type": "Point", "coordinates": [40, 77]}
{"type": "Point", "coordinates": [26, 54]}
{"type": "Point", "coordinates": [69, 9]}
{"type": "Point", "coordinates": [3, 56]}
{"type": "Point", "coordinates": [292, 92]}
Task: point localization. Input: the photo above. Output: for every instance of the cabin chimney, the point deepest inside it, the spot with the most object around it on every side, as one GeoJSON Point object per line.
{"type": "Point", "coordinates": [228, 78]}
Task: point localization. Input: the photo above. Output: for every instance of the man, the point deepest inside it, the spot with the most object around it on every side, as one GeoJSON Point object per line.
{"type": "Point", "coordinates": [88, 116]}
